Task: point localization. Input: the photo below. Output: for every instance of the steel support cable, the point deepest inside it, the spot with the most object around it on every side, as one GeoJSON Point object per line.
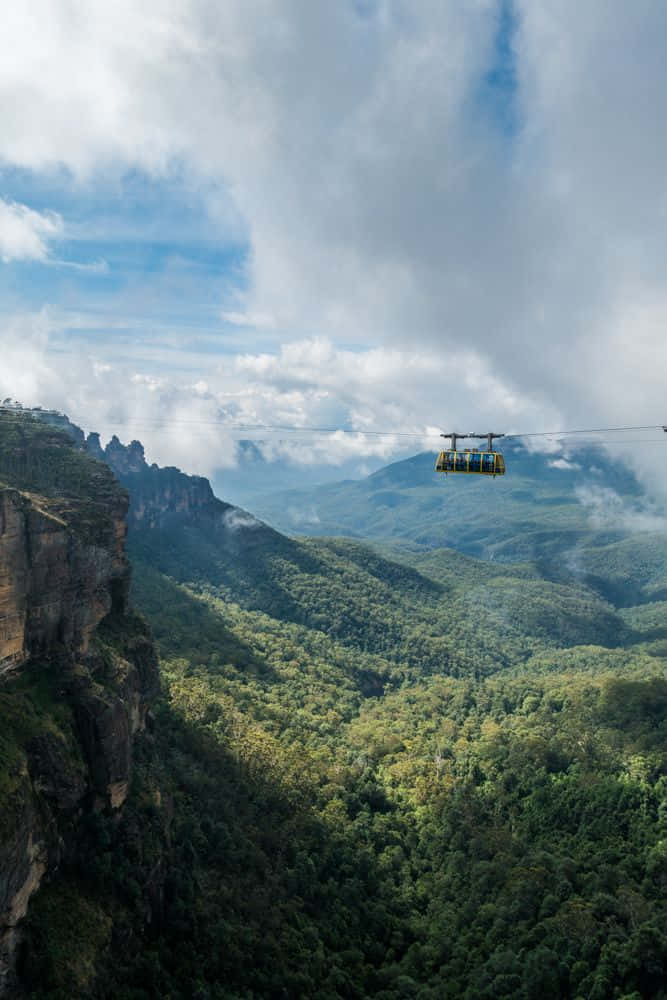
{"type": "Point", "coordinates": [412, 435]}
{"type": "Point", "coordinates": [294, 440]}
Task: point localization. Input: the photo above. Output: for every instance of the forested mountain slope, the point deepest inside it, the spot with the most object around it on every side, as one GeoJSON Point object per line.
{"type": "Point", "coordinates": [501, 777]}
{"type": "Point", "coordinates": [540, 509]}
{"type": "Point", "coordinates": [493, 738]}
{"type": "Point", "coordinates": [463, 616]}
{"type": "Point", "coordinates": [375, 773]}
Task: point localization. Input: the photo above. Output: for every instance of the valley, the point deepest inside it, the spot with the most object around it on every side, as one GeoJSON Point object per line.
{"type": "Point", "coordinates": [378, 765]}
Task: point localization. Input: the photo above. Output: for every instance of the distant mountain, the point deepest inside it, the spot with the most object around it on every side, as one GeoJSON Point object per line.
{"type": "Point", "coordinates": [580, 520]}
{"type": "Point", "coordinates": [541, 507]}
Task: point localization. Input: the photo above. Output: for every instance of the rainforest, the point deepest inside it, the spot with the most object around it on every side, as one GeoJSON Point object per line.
{"type": "Point", "coordinates": [366, 769]}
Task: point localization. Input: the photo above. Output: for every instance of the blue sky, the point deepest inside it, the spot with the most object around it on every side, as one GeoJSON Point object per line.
{"type": "Point", "coordinates": [142, 262]}
{"type": "Point", "coordinates": [498, 91]}
{"type": "Point", "coordinates": [381, 215]}
{"type": "Point", "coordinates": [140, 259]}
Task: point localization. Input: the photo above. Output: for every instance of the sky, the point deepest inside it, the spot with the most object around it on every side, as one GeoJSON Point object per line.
{"type": "Point", "coordinates": [410, 215]}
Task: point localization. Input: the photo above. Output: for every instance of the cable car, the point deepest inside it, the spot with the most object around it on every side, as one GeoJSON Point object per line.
{"type": "Point", "coordinates": [471, 460]}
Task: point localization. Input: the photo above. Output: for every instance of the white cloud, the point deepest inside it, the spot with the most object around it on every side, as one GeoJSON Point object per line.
{"type": "Point", "coordinates": [609, 510]}
{"type": "Point", "coordinates": [237, 520]}
{"type": "Point", "coordinates": [196, 425]}
{"type": "Point", "coordinates": [502, 278]}
{"type": "Point", "coordinates": [256, 320]}
{"type": "Point", "coordinates": [564, 463]}
{"type": "Point", "coordinates": [301, 518]}
{"type": "Point", "coordinates": [92, 267]}
{"type": "Point", "coordinates": [26, 234]}
{"type": "Point", "coordinates": [25, 373]}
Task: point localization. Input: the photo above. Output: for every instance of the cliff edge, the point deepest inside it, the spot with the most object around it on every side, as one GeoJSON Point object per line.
{"type": "Point", "coordinates": [77, 668]}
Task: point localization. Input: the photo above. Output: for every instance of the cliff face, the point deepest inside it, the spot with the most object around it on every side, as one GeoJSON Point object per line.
{"type": "Point", "coordinates": [156, 494]}
{"type": "Point", "coordinates": [54, 588]}
{"type": "Point", "coordinates": [178, 525]}
{"type": "Point", "coordinates": [160, 497]}
{"type": "Point", "coordinates": [77, 669]}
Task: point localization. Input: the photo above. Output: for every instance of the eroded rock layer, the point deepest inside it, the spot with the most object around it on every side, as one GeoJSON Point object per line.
{"type": "Point", "coordinates": [77, 668]}
{"type": "Point", "coordinates": [53, 587]}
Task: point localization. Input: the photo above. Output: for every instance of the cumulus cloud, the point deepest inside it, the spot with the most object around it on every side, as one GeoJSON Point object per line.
{"type": "Point", "coordinates": [25, 373]}
{"type": "Point", "coordinates": [503, 272]}
{"type": "Point", "coordinates": [198, 423]}
{"type": "Point", "coordinates": [26, 234]}
{"type": "Point", "coordinates": [564, 463]}
{"type": "Point", "coordinates": [273, 400]}
{"type": "Point", "coordinates": [172, 419]}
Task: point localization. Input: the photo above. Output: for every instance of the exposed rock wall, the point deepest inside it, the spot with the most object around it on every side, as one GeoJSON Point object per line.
{"type": "Point", "coordinates": [13, 577]}
{"type": "Point", "coordinates": [159, 496]}
{"type": "Point", "coordinates": [158, 493]}
{"type": "Point", "coordinates": [78, 670]}
{"type": "Point", "coordinates": [53, 587]}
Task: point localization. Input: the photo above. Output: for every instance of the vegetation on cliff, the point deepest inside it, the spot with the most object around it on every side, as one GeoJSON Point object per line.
{"type": "Point", "coordinates": [41, 461]}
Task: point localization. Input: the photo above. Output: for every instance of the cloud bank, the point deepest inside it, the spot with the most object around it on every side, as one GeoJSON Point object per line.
{"type": "Point", "coordinates": [606, 509]}
{"type": "Point", "coordinates": [308, 383]}
{"type": "Point", "coordinates": [465, 204]}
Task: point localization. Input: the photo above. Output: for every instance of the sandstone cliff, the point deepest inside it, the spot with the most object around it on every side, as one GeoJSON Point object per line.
{"type": "Point", "coordinates": [157, 494]}
{"type": "Point", "coordinates": [77, 669]}
{"type": "Point", "coordinates": [54, 586]}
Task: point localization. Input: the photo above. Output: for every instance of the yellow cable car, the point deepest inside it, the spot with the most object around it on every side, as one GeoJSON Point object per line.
{"type": "Point", "coordinates": [472, 460]}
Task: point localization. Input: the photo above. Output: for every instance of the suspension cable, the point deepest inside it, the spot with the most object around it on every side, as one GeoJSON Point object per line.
{"type": "Point", "coordinates": [359, 431]}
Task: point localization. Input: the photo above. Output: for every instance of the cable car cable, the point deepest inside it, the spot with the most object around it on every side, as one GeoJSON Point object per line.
{"type": "Point", "coordinates": [413, 435]}
{"type": "Point", "coordinates": [416, 435]}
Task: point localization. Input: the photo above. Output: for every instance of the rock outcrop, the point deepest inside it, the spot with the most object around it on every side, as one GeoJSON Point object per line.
{"type": "Point", "coordinates": [159, 496]}
{"type": "Point", "coordinates": [54, 588]}
{"type": "Point", "coordinates": [78, 670]}
{"type": "Point", "coordinates": [156, 494]}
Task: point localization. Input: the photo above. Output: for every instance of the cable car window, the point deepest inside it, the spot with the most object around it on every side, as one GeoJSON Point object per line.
{"type": "Point", "coordinates": [475, 463]}
{"type": "Point", "coordinates": [488, 465]}
{"type": "Point", "coordinates": [460, 463]}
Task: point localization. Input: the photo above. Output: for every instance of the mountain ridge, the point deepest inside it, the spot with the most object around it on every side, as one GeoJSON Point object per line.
{"type": "Point", "coordinates": [545, 511]}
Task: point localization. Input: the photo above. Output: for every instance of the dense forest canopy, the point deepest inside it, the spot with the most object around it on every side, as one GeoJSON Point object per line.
{"type": "Point", "coordinates": [381, 771]}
